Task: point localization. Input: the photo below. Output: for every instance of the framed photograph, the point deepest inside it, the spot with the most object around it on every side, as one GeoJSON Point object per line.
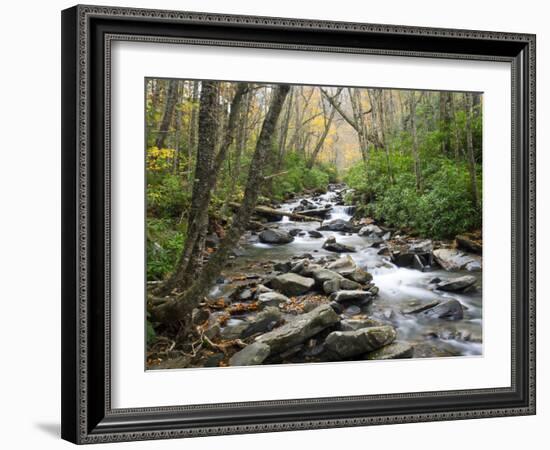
{"type": "Point", "coordinates": [281, 224]}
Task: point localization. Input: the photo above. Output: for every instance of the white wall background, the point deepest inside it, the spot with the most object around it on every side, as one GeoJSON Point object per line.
{"type": "Point", "coordinates": [30, 223]}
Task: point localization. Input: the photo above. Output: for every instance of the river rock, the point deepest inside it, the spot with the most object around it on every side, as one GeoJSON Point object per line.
{"type": "Point", "coordinates": [344, 265]}
{"type": "Point", "coordinates": [360, 276]}
{"type": "Point", "coordinates": [251, 355]}
{"type": "Point", "coordinates": [331, 286]}
{"type": "Point", "coordinates": [234, 330]}
{"type": "Point", "coordinates": [449, 309]}
{"type": "Point", "coordinates": [300, 329]}
{"type": "Point", "coordinates": [374, 290]}
{"type": "Point", "coordinates": [461, 332]}
{"type": "Point", "coordinates": [292, 284]}
{"type": "Point", "coordinates": [321, 276]}
{"type": "Point", "coordinates": [417, 253]}
{"type": "Point", "coordinates": [274, 236]}
{"type": "Point", "coordinates": [417, 306]}
{"type": "Point", "coordinates": [352, 310]}
{"type": "Point", "coordinates": [271, 299]}
{"type": "Point", "coordinates": [357, 324]}
{"type": "Point", "coordinates": [263, 321]}
{"type": "Point", "coordinates": [262, 289]}
{"type": "Point", "coordinates": [332, 246]}
{"type": "Point", "coordinates": [346, 344]}
{"type": "Point", "coordinates": [351, 296]}
{"type": "Point", "coordinates": [370, 230]}
{"type": "Point", "coordinates": [395, 350]}
{"type": "Point", "coordinates": [457, 284]}
{"type": "Point", "coordinates": [469, 244]}
{"type": "Point", "coordinates": [295, 231]}
{"type": "Point", "coordinates": [315, 234]}
{"type": "Point", "coordinates": [451, 259]}
{"type": "Point", "coordinates": [337, 307]}
{"type": "Point", "coordinates": [282, 266]}
{"type": "Point", "coordinates": [338, 225]}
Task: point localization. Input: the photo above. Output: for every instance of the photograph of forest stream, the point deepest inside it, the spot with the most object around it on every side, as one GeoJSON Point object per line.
{"type": "Point", "coordinates": [302, 224]}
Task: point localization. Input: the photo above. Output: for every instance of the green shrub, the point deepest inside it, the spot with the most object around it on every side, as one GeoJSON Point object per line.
{"type": "Point", "coordinates": [164, 244]}
{"type": "Point", "coordinates": [443, 209]}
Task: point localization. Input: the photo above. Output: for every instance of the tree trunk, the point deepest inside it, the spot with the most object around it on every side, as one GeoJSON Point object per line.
{"type": "Point", "coordinates": [415, 151]}
{"type": "Point", "coordinates": [193, 130]}
{"type": "Point", "coordinates": [456, 149]}
{"type": "Point", "coordinates": [470, 150]}
{"type": "Point", "coordinates": [321, 141]}
{"type": "Point", "coordinates": [242, 139]}
{"type": "Point", "coordinates": [164, 128]}
{"type": "Point", "coordinates": [180, 307]}
{"type": "Point", "coordinates": [208, 167]}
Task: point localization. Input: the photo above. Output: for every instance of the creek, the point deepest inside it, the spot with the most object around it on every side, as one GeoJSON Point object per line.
{"type": "Point", "coordinates": [400, 288]}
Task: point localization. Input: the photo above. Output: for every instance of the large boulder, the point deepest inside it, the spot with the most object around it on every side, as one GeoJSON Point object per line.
{"type": "Point", "coordinates": [451, 259]}
{"type": "Point", "coordinates": [344, 265]}
{"type": "Point", "coordinates": [469, 244]}
{"type": "Point", "coordinates": [300, 329]}
{"type": "Point", "coordinates": [331, 286]}
{"type": "Point", "coordinates": [357, 324]}
{"type": "Point", "coordinates": [457, 284]}
{"type": "Point", "coordinates": [417, 306]}
{"type": "Point", "coordinates": [315, 234]}
{"type": "Point", "coordinates": [351, 296]}
{"type": "Point", "coordinates": [264, 321]}
{"type": "Point", "coordinates": [235, 329]}
{"type": "Point", "coordinates": [271, 299]}
{"type": "Point", "coordinates": [251, 355]}
{"type": "Point", "coordinates": [417, 254]}
{"type": "Point", "coordinates": [396, 350]}
{"type": "Point", "coordinates": [370, 231]}
{"type": "Point", "coordinates": [274, 236]}
{"type": "Point", "coordinates": [323, 275]}
{"type": "Point", "coordinates": [345, 344]}
{"type": "Point", "coordinates": [449, 310]}
{"type": "Point", "coordinates": [338, 225]}
{"type": "Point", "coordinates": [259, 323]}
{"type": "Point", "coordinates": [332, 246]}
{"type": "Point", "coordinates": [360, 276]}
{"type": "Point", "coordinates": [292, 284]}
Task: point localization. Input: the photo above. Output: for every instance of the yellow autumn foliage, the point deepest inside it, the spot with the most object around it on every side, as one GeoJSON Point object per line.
{"type": "Point", "coordinates": [159, 159]}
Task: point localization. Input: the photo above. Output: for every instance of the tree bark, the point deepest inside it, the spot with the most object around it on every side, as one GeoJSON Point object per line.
{"type": "Point", "coordinates": [470, 150]}
{"type": "Point", "coordinates": [321, 141]}
{"type": "Point", "coordinates": [415, 151]}
{"type": "Point", "coordinates": [193, 130]}
{"type": "Point", "coordinates": [180, 307]}
{"type": "Point", "coordinates": [164, 128]}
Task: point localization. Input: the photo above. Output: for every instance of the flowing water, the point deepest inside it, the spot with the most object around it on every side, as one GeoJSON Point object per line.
{"type": "Point", "coordinates": [399, 287]}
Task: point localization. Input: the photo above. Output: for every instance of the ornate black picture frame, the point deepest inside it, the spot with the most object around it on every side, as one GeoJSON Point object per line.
{"type": "Point", "coordinates": [87, 34]}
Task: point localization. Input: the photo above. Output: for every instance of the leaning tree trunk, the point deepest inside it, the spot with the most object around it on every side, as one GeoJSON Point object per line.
{"type": "Point", "coordinates": [164, 128]}
{"type": "Point", "coordinates": [180, 307]}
